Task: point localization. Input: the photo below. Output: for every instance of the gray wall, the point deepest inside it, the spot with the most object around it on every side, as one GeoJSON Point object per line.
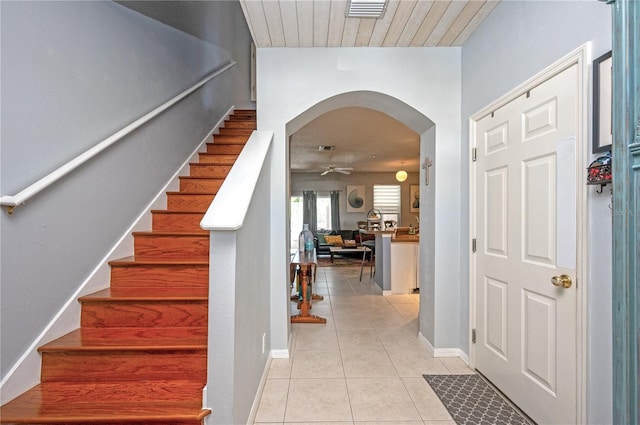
{"type": "Point", "coordinates": [204, 19]}
{"type": "Point", "coordinates": [335, 181]}
{"type": "Point", "coordinates": [73, 73]}
{"type": "Point", "coordinates": [519, 39]}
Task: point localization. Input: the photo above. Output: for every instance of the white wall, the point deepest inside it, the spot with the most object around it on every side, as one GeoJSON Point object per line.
{"type": "Point", "coordinates": [519, 39]}
{"type": "Point", "coordinates": [291, 81]}
{"type": "Point", "coordinates": [73, 73]}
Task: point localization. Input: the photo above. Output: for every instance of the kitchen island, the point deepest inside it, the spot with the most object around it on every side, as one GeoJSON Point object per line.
{"type": "Point", "coordinates": [397, 261]}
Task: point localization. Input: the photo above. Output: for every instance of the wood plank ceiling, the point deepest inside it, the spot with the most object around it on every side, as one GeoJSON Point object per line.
{"type": "Point", "coordinates": [405, 23]}
{"type": "Point", "coordinates": [374, 141]}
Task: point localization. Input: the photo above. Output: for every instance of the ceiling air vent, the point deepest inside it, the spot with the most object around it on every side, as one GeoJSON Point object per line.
{"type": "Point", "coordinates": [366, 8]}
{"type": "Point", "coordinates": [324, 148]}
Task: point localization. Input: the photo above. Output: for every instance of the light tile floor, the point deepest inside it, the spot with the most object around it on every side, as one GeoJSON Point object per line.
{"type": "Point", "coordinates": [363, 367]}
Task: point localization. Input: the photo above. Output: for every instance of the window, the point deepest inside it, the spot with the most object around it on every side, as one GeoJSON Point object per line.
{"type": "Point", "coordinates": [323, 216]}
{"type": "Point", "coordinates": [386, 198]}
{"type": "Point", "coordinates": [323, 211]}
{"type": "Point", "coordinates": [296, 220]}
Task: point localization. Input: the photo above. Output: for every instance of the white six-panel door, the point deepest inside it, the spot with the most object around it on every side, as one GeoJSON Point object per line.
{"type": "Point", "coordinates": [526, 236]}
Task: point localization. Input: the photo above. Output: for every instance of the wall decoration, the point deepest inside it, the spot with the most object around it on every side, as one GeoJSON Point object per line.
{"type": "Point", "coordinates": [599, 172]}
{"type": "Point", "coordinates": [414, 197]}
{"type": "Point", "coordinates": [355, 198]}
{"type": "Point", "coordinates": [428, 163]}
{"type": "Point", "coordinates": [602, 103]}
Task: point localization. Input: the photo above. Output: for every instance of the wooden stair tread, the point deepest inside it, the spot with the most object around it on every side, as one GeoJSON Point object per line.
{"type": "Point", "coordinates": [249, 114]}
{"type": "Point", "coordinates": [132, 262]}
{"type": "Point", "coordinates": [187, 193]}
{"type": "Point", "coordinates": [130, 339]}
{"type": "Point", "coordinates": [179, 211]}
{"type": "Point", "coordinates": [234, 132]}
{"type": "Point", "coordinates": [208, 165]}
{"type": "Point", "coordinates": [217, 158]}
{"type": "Point", "coordinates": [118, 402]}
{"type": "Point", "coordinates": [208, 193]}
{"type": "Point", "coordinates": [170, 233]}
{"type": "Point", "coordinates": [148, 294]}
{"type": "Point", "coordinates": [241, 124]}
{"type": "Point", "coordinates": [232, 139]}
{"type": "Point", "coordinates": [201, 177]}
{"type": "Point", "coordinates": [219, 155]}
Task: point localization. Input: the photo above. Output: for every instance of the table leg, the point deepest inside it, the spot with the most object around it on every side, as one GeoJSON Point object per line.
{"type": "Point", "coordinates": [314, 297]}
{"type": "Point", "coordinates": [304, 316]}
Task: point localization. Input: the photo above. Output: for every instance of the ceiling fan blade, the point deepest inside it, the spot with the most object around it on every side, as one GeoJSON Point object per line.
{"type": "Point", "coordinates": [325, 172]}
{"type": "Point", "coordinates": [342, 171]}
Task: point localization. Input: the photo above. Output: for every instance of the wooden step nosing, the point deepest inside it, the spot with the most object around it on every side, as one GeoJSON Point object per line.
{"type": "Point", "coordinates": [201, 177]}
{"type": "Point", "coordinates": [192, 193]}
{"type": "Point", "coordinates": [132, 262]}
{"type": "Point", "coordinates": [207, 164]}
{"type": "Point", "coordinates": [142, 299]}
{"type": "Point", "coordinates": [122, 348]}
{"type": "Point", "coordinates": [69, 419]}
{"type": "Point", "coordinates": [162, 233]}
{"type": "Point", "coordinates": [175, 212]}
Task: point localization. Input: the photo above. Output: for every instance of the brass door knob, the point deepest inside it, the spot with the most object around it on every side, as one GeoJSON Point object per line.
{"type": "Point", "coordinates": [563, 281]}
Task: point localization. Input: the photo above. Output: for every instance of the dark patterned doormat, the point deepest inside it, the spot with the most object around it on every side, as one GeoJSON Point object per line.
{"type": "Point", "coordinates": [471, 400]}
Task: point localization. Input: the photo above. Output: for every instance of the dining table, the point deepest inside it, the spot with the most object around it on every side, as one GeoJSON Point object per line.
{"type": "Point", "coordinates": [304, 264]}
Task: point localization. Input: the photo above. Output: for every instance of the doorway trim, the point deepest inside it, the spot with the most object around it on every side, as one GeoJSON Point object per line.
{"type": "Point", "coordinates": [414, 119]}
{"type": "Point", "coordinates": [582, 58]}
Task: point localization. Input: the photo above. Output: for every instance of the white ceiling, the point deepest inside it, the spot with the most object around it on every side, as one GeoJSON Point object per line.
{"type": "Point", "coordinates": [360, 133]}
{"type": "Point", "coordinates": [322, 23]}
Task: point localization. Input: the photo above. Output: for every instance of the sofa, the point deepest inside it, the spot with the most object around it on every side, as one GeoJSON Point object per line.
{"type": "Point", "coordinates": [322, 245]}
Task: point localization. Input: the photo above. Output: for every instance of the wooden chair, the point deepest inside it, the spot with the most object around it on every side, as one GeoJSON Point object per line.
{"type": "Point", "coordinates": [371, 245]}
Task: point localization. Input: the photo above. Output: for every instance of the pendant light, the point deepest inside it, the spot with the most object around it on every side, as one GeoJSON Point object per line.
{"type": "Point", "coordinates": [401, 175]}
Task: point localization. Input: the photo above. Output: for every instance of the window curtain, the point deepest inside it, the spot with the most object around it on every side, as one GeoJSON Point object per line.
{"type": "Point", "coordinates": [335, 210]}
{"type": "Point", "coordinates": [309, 209]}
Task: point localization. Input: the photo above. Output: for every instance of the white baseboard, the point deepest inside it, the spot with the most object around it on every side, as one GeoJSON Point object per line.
{"type": "Point", "coordinates": [464, 357]}
{"type": "Point", "coordinates": [425, 342]}
{"type": "Point", "coordinates": [443, 352]}
{"type": "Point", "coordinates": [258, 396]}
{"type": "Point", "coordinates": [280, 354]}
{"type": "Point", "coordinates": [25, 373]}
{"type": "Point", "coordinates": [273, 354]}
{"type": "Point", "coordinates": [446, 352]}
{"type": "Point", "coordinates": [283, 354]}
{"type": "Point", "coordinates": [386, 293]}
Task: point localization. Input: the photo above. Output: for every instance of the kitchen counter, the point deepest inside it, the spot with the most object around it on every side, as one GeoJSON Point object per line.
{"type": "Point", "coordinates": [397, 257]}
{"type": "Point", "coordinates": [406, 238]}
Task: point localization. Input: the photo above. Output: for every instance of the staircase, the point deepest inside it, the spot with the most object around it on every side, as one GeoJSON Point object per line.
{"type": "Point", "coordinates": [140, 355]}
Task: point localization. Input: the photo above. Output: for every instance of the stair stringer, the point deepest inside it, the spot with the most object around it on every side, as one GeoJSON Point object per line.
{"type": "Point", "coordinates": [25, 373]}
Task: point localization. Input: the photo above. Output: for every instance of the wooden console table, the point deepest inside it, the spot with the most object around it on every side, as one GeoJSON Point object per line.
{"type": "Point", "coordinates": [306, 262]}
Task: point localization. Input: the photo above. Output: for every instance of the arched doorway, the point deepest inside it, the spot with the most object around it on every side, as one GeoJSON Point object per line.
{"type": "Point", "coordinates": [425, 128]}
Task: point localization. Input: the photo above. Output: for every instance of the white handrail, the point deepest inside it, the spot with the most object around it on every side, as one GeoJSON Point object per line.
{"type": "Point", "coordinates": [239, 185]}
{"type": "Point", "coordinates": [24, 195]}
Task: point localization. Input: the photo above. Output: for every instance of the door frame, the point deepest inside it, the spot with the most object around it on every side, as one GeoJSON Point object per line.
{"type": "Point", "coordinates": [626, 204]}
{"type": "Point", "coordinates": [582, 58]}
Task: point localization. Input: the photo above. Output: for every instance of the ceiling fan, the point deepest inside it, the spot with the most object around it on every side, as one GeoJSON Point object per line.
{"type": "Point", "coordinates": [331, 169]}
